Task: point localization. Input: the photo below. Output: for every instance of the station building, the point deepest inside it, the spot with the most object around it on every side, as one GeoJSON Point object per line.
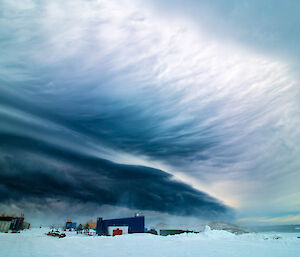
{"type": "Point", "coordinates": [112, 227]}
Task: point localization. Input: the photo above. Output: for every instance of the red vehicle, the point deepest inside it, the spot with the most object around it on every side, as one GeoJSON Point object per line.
{"type": "Point", "coordinates": [56, 234]}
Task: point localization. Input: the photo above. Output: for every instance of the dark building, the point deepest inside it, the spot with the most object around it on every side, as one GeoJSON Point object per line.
{"type": "Point", "coordinates": [17, 223]}
{"type": "Point", "coordinates": [133, 225]}
{"type": "Point", "coordinates": [169, 232]}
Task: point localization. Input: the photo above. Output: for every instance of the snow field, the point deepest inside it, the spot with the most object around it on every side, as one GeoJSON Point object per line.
{"type": "Point", "coordinates": [34, 243]}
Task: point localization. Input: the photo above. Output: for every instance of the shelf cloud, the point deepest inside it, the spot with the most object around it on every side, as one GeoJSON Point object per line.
{"type": "Point", "coordinates": [114, 103]}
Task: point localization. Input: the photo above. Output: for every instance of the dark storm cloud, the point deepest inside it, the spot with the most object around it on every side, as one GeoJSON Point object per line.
{"type": "Point", "coordinates": [33, 170]}
{"type": "Point", "coordinates": [82, 82]}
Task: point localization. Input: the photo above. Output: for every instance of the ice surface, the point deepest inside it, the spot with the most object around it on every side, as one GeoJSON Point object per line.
{"type": "Point", "coordinates": [210, 243]}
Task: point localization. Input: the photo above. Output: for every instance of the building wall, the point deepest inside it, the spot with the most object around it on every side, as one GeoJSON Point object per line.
{"type": "Point", "coordinates": [92, 225]}
{"type": "Point", "coordinates": [134, 224]}
{"type": "Point", "coordinates": [4, 225]}
{"type": "Point", "coordinates": [17, 223]}
{"type": "Point", "coordinates": [124, 229]}
{"type": "Point", "coordinates": [70, 225]}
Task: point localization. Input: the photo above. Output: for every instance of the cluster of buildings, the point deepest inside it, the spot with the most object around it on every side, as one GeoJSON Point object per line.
{"type": "Point", "coordinates": [102, 227]}
{"type": "Point", "coordinates": [12, 223]}
{"type": "Point", "coordinates": [111, 227]}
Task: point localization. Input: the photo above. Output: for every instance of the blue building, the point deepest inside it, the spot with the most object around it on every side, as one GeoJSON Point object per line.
{"type": "Point", "coordinates": [70, 225]}
{"type": "Point", "coordinates": [128, 225]}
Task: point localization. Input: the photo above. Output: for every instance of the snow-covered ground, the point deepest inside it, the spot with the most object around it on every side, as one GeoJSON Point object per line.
{"type": "Point", "coordinates": [34, 243]}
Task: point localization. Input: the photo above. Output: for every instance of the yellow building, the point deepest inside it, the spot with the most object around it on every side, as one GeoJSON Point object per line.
{"type": "Point", "coordinates": [92, 225]}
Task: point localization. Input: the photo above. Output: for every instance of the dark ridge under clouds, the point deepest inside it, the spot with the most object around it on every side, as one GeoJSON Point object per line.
{"type": "Point", "coordinates": [33, 170]}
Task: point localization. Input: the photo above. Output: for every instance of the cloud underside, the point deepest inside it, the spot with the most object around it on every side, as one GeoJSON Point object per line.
{"type": "Point", "coordinates": [32, 170]}
{"type": "Point", "coordinates": [89, 86]}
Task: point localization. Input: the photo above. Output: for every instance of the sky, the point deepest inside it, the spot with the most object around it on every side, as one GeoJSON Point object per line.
{"type": "Point", "coordinates": [179, 110]}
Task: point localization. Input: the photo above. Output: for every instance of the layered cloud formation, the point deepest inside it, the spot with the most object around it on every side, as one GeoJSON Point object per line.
{"type": "Point", "coordinates": [37, 171]}
{"type": "Point", "coordinates": [89, 86]}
